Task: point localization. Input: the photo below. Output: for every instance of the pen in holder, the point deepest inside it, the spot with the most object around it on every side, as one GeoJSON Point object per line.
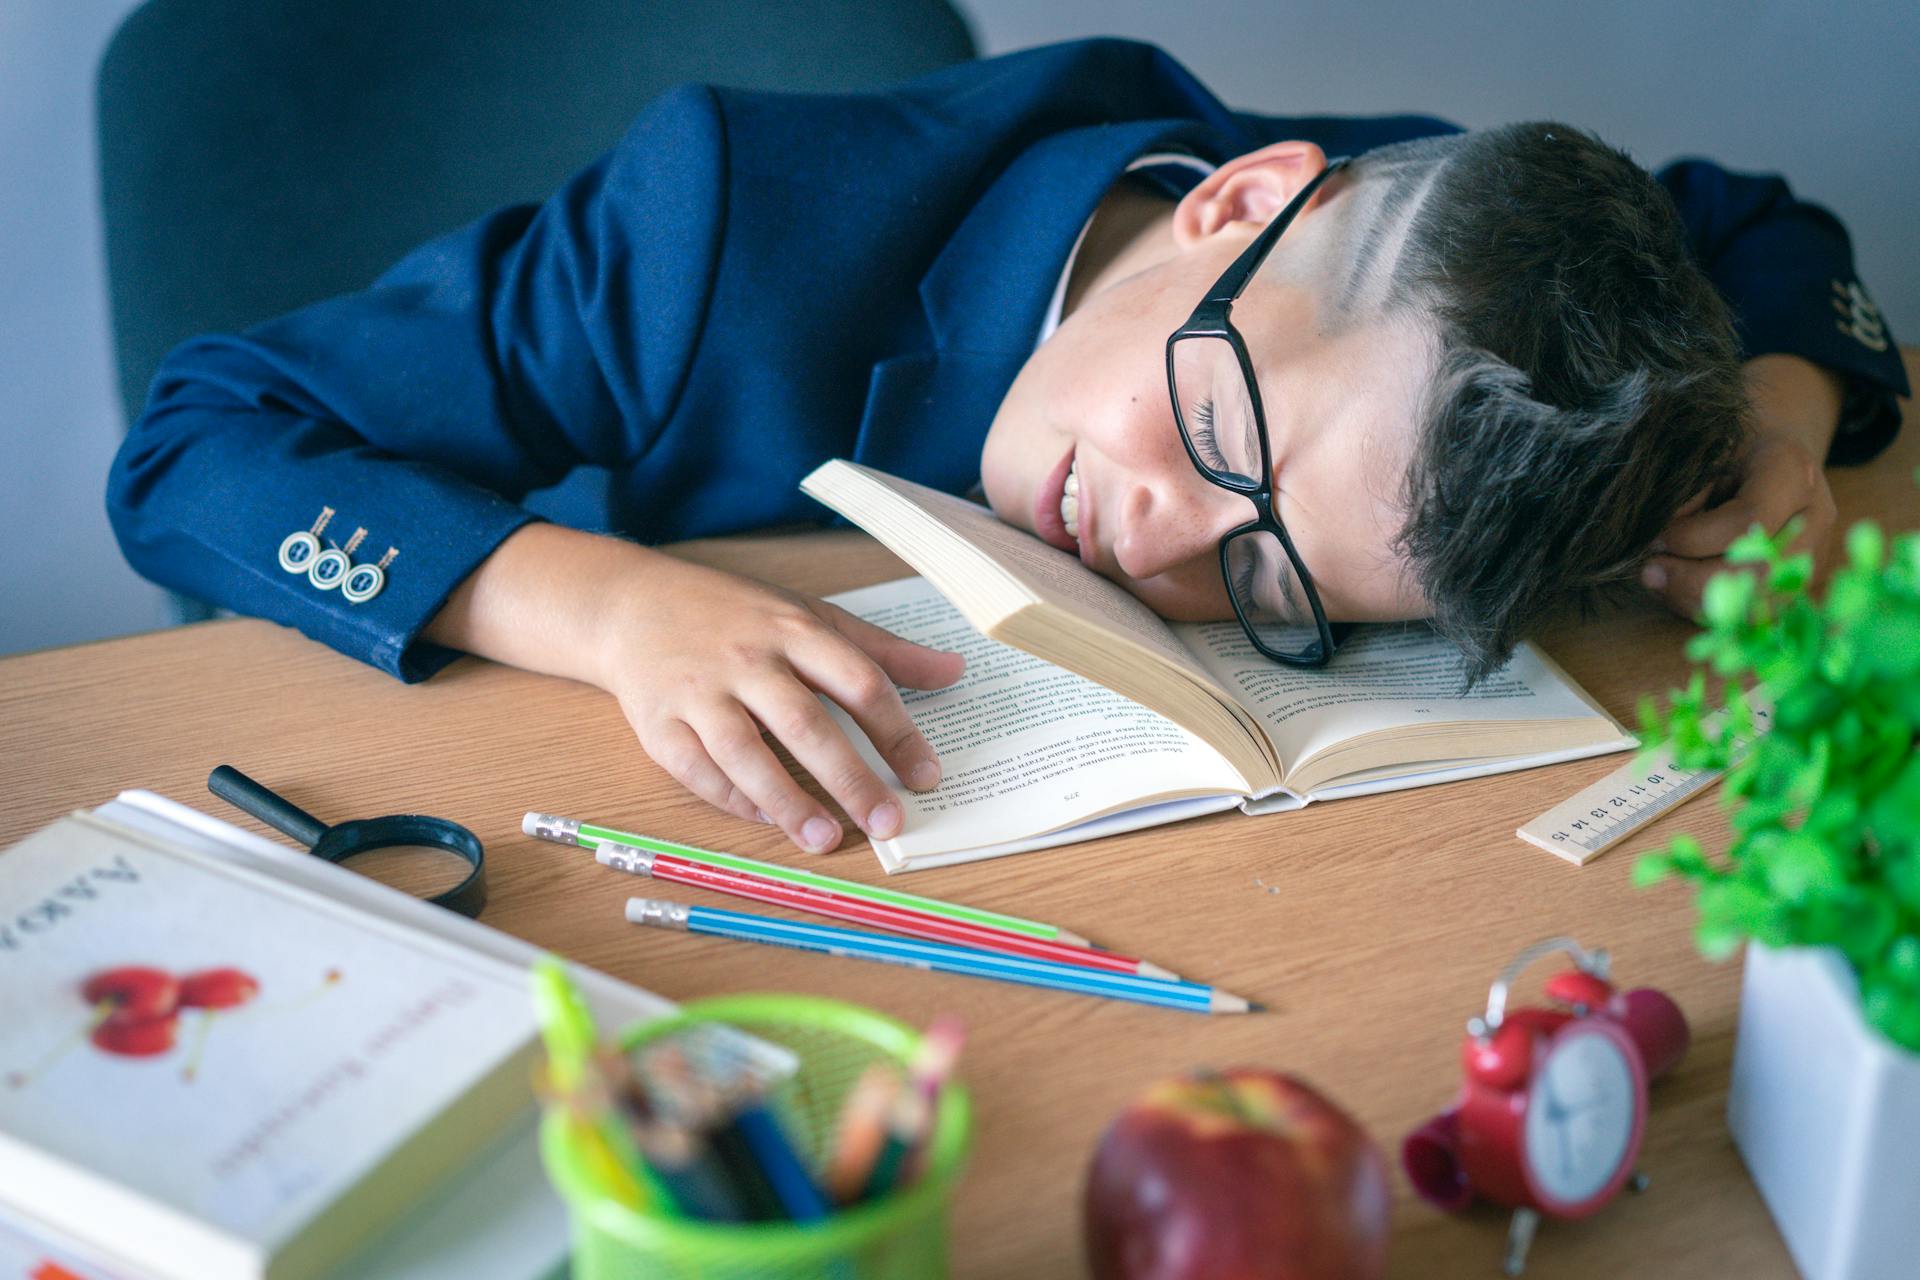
{"type": "Point", "coordinates": [901, 1234]}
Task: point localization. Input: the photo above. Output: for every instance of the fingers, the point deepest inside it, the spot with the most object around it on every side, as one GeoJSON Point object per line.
{"type": "Point", "coordinates": [734, 742]}
{"type": "Point", "coordinates": [678, 750]}
{"type": "Point", "coordinates": [1779, 483]}
{"type": "Point", "coordinates": [904, 662]}
{"type": "Point", "coordinates": [1782, 483]}
{"type": "Point", "coordinates": [1695, 503]}
{"type": "Point", "coordinates": [1678, 582]}
{"type": "Point", "coordinates": [700, 708]}
{"type": "Point", "coordinates": [1709, 533]}
{"type": "Point", "coordinates": [857, 685]}
{"type": "Point", "coordinates": [818, 744]}
{"type": "Point", "coordinates": [727, 763]}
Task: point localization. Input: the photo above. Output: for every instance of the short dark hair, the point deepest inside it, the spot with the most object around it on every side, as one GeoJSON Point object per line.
{"type": "Point", "coordinates": [1586, 379]}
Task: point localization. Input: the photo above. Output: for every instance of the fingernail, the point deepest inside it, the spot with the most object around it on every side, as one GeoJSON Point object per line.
{"type": "Point", "coordinates": [1653, 577]}
{"type": "Point", "coordinates": [1659, 546]}
{"type": "Point", "coordinates": [762, 815]}
{"type": "Point", "coordinates": [924, 775]}
{"type": "Point", "coordinates": [819, 834]}
{"type": "Point", "coordinates": [884, 821]}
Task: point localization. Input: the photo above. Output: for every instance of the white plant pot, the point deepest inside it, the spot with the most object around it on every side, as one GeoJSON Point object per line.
{"type": "Point", "coordinates": [1826, 1112]}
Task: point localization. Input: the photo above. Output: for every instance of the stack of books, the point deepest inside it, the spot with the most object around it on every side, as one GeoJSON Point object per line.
{"type": "Point", "coordinates": [221, 1059]}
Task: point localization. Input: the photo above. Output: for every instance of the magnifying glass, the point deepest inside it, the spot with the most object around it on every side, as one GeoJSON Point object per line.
{"type": "Point", "coordinates": [410, 835]}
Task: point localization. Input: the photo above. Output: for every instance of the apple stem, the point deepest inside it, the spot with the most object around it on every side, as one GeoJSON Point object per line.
{"type": "Point", "coordinates": [1228, 1099]}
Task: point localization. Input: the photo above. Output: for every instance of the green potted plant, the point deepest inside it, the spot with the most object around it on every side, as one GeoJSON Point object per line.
{"type": "Point", "coordinates": [1822, 878]}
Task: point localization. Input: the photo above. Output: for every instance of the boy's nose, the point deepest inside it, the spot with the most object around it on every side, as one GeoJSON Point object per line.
{"type": "Point", "coordinates": [1164, 526]}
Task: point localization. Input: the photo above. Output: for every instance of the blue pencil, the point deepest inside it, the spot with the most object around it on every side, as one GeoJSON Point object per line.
{"type": "Point", "coordinates": [939, 957]}
{"type": "Point", "coordinates": [798, 1193]}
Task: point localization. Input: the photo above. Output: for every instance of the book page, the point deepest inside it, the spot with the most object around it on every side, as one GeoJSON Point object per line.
{"type": "Point", "coordinates": [1396, 677]}
{"type": "Point", "coordinates": [1025, 747]}
{"type": "Point", "coordinates": [1046, 572]}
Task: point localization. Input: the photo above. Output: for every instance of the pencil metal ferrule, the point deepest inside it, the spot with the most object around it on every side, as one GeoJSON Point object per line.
{"type": "Point", "coordinates": [551, 826]}
{"type": "Point", "coordinates": [624, 857]}
{"type": "Point", "coordinates": [660, 914]}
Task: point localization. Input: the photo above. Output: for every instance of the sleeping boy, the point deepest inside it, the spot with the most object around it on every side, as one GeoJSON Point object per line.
{"type": "Point", "coordinates": [1473, 377]}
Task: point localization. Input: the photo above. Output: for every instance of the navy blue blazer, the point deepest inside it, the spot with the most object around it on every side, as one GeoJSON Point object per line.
{"type": "Point", "coordinates": [748, 284]}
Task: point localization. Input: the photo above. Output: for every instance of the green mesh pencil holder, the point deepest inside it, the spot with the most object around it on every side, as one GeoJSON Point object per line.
{"type": "Point", "coordinates": [900, 1236]}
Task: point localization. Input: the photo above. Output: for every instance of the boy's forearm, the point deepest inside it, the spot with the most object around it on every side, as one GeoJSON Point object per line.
{"type": "Point", "coordinates": [1794, 397]}
{"type": "Point", "coordinates": [539, 601]}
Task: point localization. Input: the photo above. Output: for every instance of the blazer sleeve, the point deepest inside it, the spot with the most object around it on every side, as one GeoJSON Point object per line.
{"type": "Point", "coordinates": [485, 364]}
{"type": "Point", "coordinates": [1786, 268]}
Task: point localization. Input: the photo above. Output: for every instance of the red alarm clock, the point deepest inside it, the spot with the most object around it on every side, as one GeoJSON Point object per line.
{"type": "Point", "coordinates": [1554, 1101]}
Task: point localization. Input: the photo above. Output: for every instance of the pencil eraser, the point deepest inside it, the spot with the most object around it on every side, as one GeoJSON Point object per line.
{"type": "Point", "coordinates": [530, 825]}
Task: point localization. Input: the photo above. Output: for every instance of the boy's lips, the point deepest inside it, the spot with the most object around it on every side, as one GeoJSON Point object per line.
{"type": "Point", "coordinates": [1046, 509]}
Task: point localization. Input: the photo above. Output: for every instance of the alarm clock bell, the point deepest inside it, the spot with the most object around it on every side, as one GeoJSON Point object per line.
{"type": "Point", "coordinates": [1553, 1101]}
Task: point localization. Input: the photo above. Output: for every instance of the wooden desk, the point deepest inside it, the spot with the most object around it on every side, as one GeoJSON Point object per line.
{"type": "Point", "coordinates": [1373, 926]}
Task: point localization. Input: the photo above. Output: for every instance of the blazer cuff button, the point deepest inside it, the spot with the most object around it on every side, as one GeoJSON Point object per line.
{"type": "Point", "coordinates": [297, 551]}
{"type": "Point", "coordinates": [328, 568]}
{"type": "Point", "coordinates": [364, 583]}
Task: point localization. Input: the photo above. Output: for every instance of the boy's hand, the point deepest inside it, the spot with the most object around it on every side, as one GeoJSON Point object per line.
{"type": "Point", "coordinates": [1795, 408]}
{"type": "Point", "coordinates": [702, 660]}
{"type": "Point", "coordinates": [1782, 479]}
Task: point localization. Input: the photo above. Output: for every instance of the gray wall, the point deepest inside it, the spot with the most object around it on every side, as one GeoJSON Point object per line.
{"type": "Point", "coordinates": [1827, 94]}
{"type": "Point", "coordinates": [61, 576]}
{"type": "Point", "coordinates": [1822, 93]}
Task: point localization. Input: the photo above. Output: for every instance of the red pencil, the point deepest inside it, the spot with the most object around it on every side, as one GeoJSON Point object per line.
{"type": "Point", "coordinates": [916, 924]}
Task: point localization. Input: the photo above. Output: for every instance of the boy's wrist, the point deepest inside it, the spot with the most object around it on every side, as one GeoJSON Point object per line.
{"type": "Point", "coordinates": [548, 599]}
{"type": "Point", "coordinates": [1794, 398]}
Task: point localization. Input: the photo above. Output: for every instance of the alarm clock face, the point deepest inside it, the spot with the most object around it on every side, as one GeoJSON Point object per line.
{"type": "Point", "coordinates": [1582, 1116]}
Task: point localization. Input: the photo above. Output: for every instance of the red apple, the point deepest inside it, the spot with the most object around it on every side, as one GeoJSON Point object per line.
{"type": "Point", "coordinates": [1243, 1174]}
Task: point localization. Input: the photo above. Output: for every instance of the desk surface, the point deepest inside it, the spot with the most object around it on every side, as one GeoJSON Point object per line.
{"type": "Point", "coordinates": [1372, 926]}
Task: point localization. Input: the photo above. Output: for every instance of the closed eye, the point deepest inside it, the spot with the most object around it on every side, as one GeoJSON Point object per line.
{"type": "Point", "coordinates": [1205, 443]}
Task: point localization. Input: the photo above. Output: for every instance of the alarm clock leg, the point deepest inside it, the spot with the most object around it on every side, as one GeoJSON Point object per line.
{"type": "Point", "coordinates": [1638, 1182]}
{"type": "Point", "coordinates": [1520, 1239]}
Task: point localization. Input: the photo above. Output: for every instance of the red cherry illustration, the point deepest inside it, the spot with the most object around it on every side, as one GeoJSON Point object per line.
{"type": "Point", "coordinates": [135, 1012]}
{"type": "Point", "coordinates": [132, 993]}
{"type": "Point", "coordinates": [142, 1039]}
{"type": "Point", "coordinates": [218, 989]}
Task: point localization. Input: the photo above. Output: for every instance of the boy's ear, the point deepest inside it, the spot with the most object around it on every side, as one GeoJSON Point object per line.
{"type": "Point", "coordinates": [1253, 187]}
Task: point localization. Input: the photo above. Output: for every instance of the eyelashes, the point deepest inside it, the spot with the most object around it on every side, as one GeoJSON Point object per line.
{"type": "Point", "coordinates": [1202, 430]}
{"type": "Point", "coordinates": [1243, 583]}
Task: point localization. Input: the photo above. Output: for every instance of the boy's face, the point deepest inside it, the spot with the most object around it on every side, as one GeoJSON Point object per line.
{"type": "Point", "coordinates": [1340, 410]}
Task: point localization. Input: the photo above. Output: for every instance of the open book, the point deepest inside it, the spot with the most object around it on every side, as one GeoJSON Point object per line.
{"type": "Point", "coordinates": [1082, 713]}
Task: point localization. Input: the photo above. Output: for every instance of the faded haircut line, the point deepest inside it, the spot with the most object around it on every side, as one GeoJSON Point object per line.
{"type": "Point", "coordinates": [1586, 377]}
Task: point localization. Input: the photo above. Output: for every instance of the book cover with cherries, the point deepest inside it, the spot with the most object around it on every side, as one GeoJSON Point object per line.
{"type": "Point", "coordinates": [229, 1060]}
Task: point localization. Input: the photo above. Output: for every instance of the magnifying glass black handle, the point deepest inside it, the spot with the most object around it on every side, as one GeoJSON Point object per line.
{"type": "Point", "coordinates": [237, 789]}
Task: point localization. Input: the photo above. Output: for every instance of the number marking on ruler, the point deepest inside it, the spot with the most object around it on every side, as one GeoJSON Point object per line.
{"type": "Point", "coordinates": [1585, 824]}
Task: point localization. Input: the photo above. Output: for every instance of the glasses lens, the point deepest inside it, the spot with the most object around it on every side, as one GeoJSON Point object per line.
{"type": "Point", "coordinates": [1271, 596]}
{"type": "Point", "coordinates": [1216, 410]}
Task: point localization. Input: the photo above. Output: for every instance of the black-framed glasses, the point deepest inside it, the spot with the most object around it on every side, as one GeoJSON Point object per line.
{"type": "Point", "coordinates": [1216, 402]}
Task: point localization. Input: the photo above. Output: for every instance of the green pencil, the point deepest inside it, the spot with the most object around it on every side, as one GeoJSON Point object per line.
{"type": "Point", "coordinates": [605, 1145]}
{"type": "Point", "coordinates": [551, 826]}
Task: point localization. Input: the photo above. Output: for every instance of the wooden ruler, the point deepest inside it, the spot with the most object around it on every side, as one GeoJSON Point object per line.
{"type": "Point", "coordinates": [1587, 823]}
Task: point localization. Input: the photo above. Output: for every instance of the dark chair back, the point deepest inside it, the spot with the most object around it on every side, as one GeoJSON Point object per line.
{"type": "Point", "coordinates": [257, 155]}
